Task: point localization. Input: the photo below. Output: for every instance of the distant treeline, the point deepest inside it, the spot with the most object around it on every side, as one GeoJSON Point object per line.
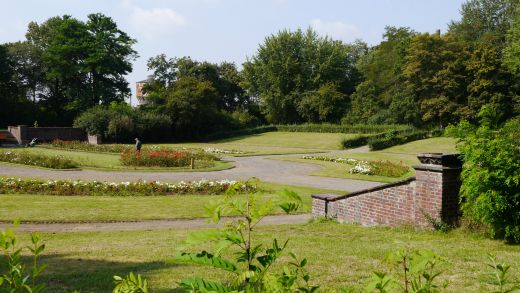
{"type": "Point", "coordinates": [66, 66]}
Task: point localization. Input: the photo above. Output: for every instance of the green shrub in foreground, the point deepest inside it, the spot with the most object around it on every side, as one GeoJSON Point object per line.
{"type": "Point", "coordinates": [53, 162]}
{"type": "Point", "coordinates": [491, 178]}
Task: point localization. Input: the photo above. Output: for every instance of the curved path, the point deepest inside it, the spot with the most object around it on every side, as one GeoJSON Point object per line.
{"type": "Point", "coordinates": [261, 167]}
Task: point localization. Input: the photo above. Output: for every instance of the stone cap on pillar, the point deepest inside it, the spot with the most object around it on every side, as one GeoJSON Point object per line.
{"type": "Point", "coordinates": [439, 162]}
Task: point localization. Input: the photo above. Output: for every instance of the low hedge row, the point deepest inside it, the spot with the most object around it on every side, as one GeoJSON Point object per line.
{"type": "Point", "coordinates": [394, 138]}
{"type": "Point", "coordinates": [240, 132]}
{"type": "Point", "coordinates": [312, 127]}
{"type": "Point", "coordinates": [354, 142]}
{"type": "Point", "coordinates": [343, 128]}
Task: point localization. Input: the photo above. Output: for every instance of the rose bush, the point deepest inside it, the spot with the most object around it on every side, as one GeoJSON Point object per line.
{"type": "Point", "coordinates": [163, 158]}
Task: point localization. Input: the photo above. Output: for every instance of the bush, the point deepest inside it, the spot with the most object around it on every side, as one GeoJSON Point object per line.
{"type": "Point", "coordinates": [95, 120]}
{"type": "Point", "coordinates": [121, 128]}
{"type": "Point", "coordinates": [343, 128]}
{"type": "Point", "coordinates": [354, 142]}
{"type": "Point", "coordinates": [122, 123]}
{"type": "Point", "coordinates": [394, 138]}
{"type": "Point", "coordinates": [152, 126]}
{"type": "Point", "coordinates": [491, 179]}
{"type": "Point", "coordinates": [139, 188]}
{"type": "Point", "coordinates": [240, 132]}
{"type": "Point", "coordinates": [163, 158]}
{"type": "Point", "coordinates": [85, 146]}
{"type": "Point", "coordinates": [53, 162]}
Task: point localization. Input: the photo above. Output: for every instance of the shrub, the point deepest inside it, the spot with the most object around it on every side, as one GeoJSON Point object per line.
{"type": "Point", "coordinates": [152, 126]}
{"type": "Point", "coordinates": [393, 138]}
{"type": "Point", "coordinates": [121, 128]}
{"type": "Point", "coordinates": [95, 120]}
{"type": "Point", "coordinates": [53, 162]}
{"type": "Point", "coordinates": [17, 276]}
{"type": "Point", "coordinates": [84, 146]}
{"type": "Point", "coordinates": [343, 128]}
{"type": "Point", "coordinates": [354, 142]}
{"type": "Point", "coordinates": [240, 132]}
{"type": "Point", "coordinates": [141, 188]}
{"type": "Point", "coordinates": [491, 179]}
{"type": "Point", "coordinates": [251, 267]}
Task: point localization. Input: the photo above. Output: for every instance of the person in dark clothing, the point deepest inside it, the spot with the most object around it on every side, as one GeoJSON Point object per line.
{"type": "Point", "coordinates": [138, 145]}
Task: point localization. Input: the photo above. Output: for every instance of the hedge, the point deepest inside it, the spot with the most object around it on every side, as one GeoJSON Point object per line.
{"type": "Point", "coordinates": [344, 128]}
{"type": "Point", "coordinates": [394, 138]}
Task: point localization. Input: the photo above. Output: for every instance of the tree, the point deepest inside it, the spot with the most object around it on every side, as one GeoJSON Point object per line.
{"type": "Point", "coordinates": [223, 77]}
{"type": "Point", "coordinates": [79, 64]}
{"type": "Point", "coordinates": [485, 21]}
{"type": "Point", "coordinates": [290, 66]}
{"type": "Point", "coordinates": [383, 83]}
{"type": "Point", "coordinates": [435, 73]}
{"type": "Point", "coordinates": [192, 106]}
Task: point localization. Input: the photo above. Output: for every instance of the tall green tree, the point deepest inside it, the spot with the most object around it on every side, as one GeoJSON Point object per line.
{"type": "Point", "coordinates": [83, 64]}
{"type": "Point", "coordinates": [485, 21]}
{"type": "Point", "coordinates": [435, 72]}
{"type": "Point", "coordinates": [291, 72]}
{"type": "Point", "coordinates": [382, 86]}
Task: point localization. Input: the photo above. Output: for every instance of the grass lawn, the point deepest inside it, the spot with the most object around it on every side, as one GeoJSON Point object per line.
{"type": "Point", "coordinates": [275, 143]}
{"type": "Point", "coordinates": [338, 256]}
{"type": "Point", "coordinates": [108, 162]}
{"type": "Point", "coordinates": [406, 154]}
{"type": "Point", "coordinates": [41, 208]}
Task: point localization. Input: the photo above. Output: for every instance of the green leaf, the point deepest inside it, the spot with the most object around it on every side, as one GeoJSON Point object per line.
{"type": "Point", "coordinates": [205, 258]}
{"type": "Point", "coordinates": [197, 284]}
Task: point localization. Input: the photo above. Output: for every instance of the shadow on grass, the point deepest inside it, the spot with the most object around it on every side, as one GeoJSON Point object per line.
{"type": "Point", "coordinates": [66, 273]}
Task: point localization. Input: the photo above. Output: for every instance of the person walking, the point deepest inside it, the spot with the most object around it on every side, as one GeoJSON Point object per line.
{"type": "Point", "coordinates": [138, 145]}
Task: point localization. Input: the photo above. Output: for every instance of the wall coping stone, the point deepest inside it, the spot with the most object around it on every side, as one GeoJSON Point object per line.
{"type": "Point", "coordinates": [333, 197]}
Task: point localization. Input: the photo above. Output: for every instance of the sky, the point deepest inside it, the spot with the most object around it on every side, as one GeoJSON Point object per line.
{"type": "Point", "coordinates": [231, 30]}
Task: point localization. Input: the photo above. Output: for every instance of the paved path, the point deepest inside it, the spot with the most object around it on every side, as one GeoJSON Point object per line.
{"type": "Point", "coordinates": [261, 167]}
{"type": "Point", "coordinates": [149, 225]}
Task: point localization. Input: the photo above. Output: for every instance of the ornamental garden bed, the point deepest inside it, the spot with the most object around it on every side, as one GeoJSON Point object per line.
{"type": "Point", "coordinates": [139, 188]}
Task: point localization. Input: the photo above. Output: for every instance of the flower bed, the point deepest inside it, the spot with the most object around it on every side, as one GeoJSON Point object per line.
{"type": "Point", "coordinates": [163, 158]}
{"type": "Point", "coordinates": [222, 151]}
{"type": "Point", "coordinates": [84, 146]}
{"type": "Point", "coordinates": [142, 188]}
{"type": "Point", "coordinates": [53, 162]}
{"type": "Point", "coordinates": [379, 168]}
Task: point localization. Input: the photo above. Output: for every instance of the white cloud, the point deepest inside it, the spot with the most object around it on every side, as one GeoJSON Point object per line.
{"type": "Point", "coordinates": [155, 22]}
{"type": "Point", "coordinates": [336, 29]}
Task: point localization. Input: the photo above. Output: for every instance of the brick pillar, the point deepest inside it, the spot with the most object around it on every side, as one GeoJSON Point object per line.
{"type": "Point", "coordinates": [23, 130]}
{"type": "Point", "coordinates": [437, 188]}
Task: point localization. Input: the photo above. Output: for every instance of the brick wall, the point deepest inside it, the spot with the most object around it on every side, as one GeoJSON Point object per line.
{"type": "Point", "coordinates": [431, 194]}
{"type": "Point", "coordinates": [24, 134]}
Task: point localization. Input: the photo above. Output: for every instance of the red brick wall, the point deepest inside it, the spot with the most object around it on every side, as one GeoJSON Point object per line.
{"type": "Point", "coordinates": [25, 134]}
{"type": "Point", "coordinates": [431, 194]}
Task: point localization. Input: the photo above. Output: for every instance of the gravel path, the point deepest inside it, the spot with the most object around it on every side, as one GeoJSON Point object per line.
{"type": "Point", "coordinates": [149, 225]}
{"type": "Point", "coordinates": [261, 167]}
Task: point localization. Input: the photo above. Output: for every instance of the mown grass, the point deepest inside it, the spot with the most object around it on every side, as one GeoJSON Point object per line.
{"type": "Point", "coordinates": [406, 154]}
{"type": "Point", "coordinates": [111, 162]}
{"type": "Point", "coordinates": [42, 208]}
{"type": "Point", "coordinates": [339, 256]}
{"type": "Point", "coordinates": [275, 143]}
